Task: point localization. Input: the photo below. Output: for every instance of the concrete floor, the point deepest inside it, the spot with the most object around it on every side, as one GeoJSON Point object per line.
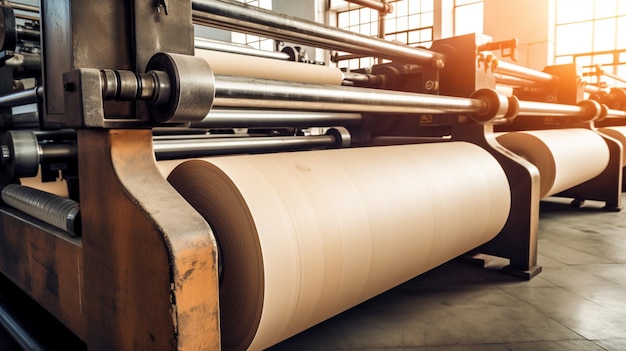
{"type": "Point", "coordinates": [578, 302]}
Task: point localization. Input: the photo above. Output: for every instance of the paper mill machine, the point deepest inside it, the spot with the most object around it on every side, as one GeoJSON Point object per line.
{"type": "Point", "coordinates": [152, 245]}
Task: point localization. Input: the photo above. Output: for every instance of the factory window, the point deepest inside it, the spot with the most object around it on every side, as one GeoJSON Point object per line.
{"type": "Point", "coordinates": [411, 22]}
{"type": "Point", "coordinates": [254, 40]}
{"type": "Point", "coordinates": [590, 33]}
{"type": "Point", "coordinates": [468, 16]}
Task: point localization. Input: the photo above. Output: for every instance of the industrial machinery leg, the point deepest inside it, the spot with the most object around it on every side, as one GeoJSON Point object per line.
{"type": "Point", "coordinates": [518, 239]}
{"type": "Point", "coordinates": [150, 260]}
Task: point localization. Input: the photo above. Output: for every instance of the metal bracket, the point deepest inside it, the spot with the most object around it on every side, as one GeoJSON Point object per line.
{"type": "Point", "coordinates": [84, 104]}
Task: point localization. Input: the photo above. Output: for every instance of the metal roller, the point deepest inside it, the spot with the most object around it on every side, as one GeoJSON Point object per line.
{"type": "Point", "coordinates": [615, 114]}
{"type": "Point", "coordinates": [586, 110]}
{"type": "Point", "coordinates": [181, 88]}
{"type": "Point", "coordinates": [24, 7]}
{"type": "Point", "coordinates": [238, 17]}
{"type": "Point", "coordinates": [28, 34]}
{"type": "Point", "coordinates": [186, 95]}
{"type": "Point", "coordinates": [215, 45]}
{"type": "Point", "coordinates": [244, 118]}
{"type": "Point", "coordinates": [23, 97]}
{"type": "Point", "coordinates": [497, 106]}
{"type": "Point", "coordinates": [169, 149]}
{"type": "Point", "coordinates": [18, 331]}
{"type": "Point", "coordinates": [22, 153]}
{"type": "Point", "coordinates": [232, 91]}
{"type": "Point", "coordinates": [178, 88]}
{"type": "Point", "coordinates": [53, 209]}
{"type": "Point", "coordinates": [592, 89]}
{"type": "Point", "coordinates": [515, 81]}
{"type": "Point", "coordinates": [523, 72]}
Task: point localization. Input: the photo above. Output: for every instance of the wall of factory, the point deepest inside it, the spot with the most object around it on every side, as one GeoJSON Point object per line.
{"type": "Point", "coordinates": [531, 21]}
{"type": "Point", "coordinates": [301, 9]}
{"type": "Point", "coordinates": [211, 33]}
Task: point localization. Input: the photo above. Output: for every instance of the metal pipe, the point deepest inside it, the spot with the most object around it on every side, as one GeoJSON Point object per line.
{"type": "Point", "coordinates": [215, 45]}
{"type": "Point", "coordinates": [55, 210]}
{"type": "Point", "coordinates": [379, 6]}
{"type": "Point", "coordinates": [370, 80]}
{"type": "Point", "coordinates": [61, 134]}
{"type": "Point", "coordinates": [241, 92]}
{"type": "Point", "coordinates": [244, 118]}
{"type": "Point", "coordinates": [168, 149]}
{"type": "Point", "coordinates": [514, 81]}
{"type": "Point", "coordinates": [17, 330]}
{"type": "Point", "coordinates": [197, 136]}
{"type": "Point", "coordinates": [593, 89]}
{"type": "Point", "coordinates": [532, 108]}
{"type": "Point", "coordinates": [23, 97]}
{"type": "Point", "coordinates": [26, 64]}
{"type": "Point", "coordinates": [28, 34]}
{"type": "Point", "coordinates": [24, 7]}
{"type": "Point", "coordinates": [26, 17]}
{"type": "Point", "coordinates": [239, 17]}
{"type": "Point", "coordinates": [615, 114]}
{"type": "Point", "coordinates": [58, 151]}
{"type": "Point", "coordinates": [523, 72]}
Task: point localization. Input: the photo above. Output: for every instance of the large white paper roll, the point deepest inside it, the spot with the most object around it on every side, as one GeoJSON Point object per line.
{"type": "Point", "coordinates": [306, 235]}
{"type": "Point", "coordinates": [618, 133]}
{"type": "Point", "coordinates": [259, 67]}
{"type": "Point", "coordinates": [564, 157]}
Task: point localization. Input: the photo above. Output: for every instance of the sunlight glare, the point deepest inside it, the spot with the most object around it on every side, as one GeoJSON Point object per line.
{"type": "Point", "coordinates": [576, 32]}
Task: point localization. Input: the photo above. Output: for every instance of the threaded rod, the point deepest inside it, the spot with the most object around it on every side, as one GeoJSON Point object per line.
{"type": "Point", "coordinates": [53, 209]}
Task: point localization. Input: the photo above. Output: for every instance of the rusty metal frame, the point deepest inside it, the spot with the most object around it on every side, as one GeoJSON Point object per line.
{"type": "Point", "coordinates": [150, 260]}
{"type": "Point", "coordinates": [144, 273]}
{"type": "Point", "coordinates": [517, 241]}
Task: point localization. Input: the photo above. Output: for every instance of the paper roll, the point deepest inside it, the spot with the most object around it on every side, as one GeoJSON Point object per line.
{"type": "Point", "coordinates": [619, 134]}
{"type": "Point", "coordinates": [259, 67]}
{"type": "Point", "coordinates": [306, 235]}
{"type": "Point", "coordinates": [564, 157]}
{"type": "Point", "coordinates": [58, 187]}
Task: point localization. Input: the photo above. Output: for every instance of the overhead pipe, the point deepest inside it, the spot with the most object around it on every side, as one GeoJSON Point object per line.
{"type": "Point", "coordinates": [24, 7]}
{"type": "Point", "coordinates": [380, 6]}
{"type": "Point", "coordinates": [523, 72]}
{"type": "Point", "coordinates": [383, 9]}
{"type": "Point", "coordinates": [235, 16]}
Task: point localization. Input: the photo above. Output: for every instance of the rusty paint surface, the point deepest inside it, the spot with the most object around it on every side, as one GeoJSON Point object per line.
{"type": "Point", "coordinates": [150, 259]}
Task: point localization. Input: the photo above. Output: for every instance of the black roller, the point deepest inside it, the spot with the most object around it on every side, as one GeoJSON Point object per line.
{"type": "Point", "coordinates": [8, 29]}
